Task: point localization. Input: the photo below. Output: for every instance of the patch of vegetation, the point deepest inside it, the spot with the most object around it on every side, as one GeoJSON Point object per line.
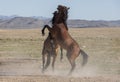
{"type": "Point", "coordinates": [101, 44]}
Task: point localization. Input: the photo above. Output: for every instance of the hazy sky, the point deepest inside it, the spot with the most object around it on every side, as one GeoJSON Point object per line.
{"type": "Point", "coordinates": [79, 9]}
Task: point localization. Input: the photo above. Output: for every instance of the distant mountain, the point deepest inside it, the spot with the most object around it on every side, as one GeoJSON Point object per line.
{"type": "Point", "coordinates": [18, 22]}
{"type": "Point", "coordinates": [2, 17]}
{"type": "Point", "coordinates": [13, 16]}
{"type": "Point", "coordinates": [21, 22]}
{"type": "Point", "coordinates": [86, 23]}
{"type": "Point", "coordinates": [40, 17]}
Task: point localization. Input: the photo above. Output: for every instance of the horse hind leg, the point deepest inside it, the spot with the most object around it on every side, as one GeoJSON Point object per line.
{"type": "Point", "coordinates": [72, 55]}
{"type": "Point", "coordinates": [55, 52]}
{"type": "Point", "coordinates": [53, 63]}
{"type": "Point", "coordinates": [48, 61]}
{"type": "Point", "coordinates": [43, 59]}
{"type": "Point", "coordinates": [72, 62]}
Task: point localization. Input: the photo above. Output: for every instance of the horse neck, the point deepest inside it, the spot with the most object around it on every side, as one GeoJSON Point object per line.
{"type": "Point", "coordinates": [61, 19]}
{"type": "Point", "coordinates": [61, 27]}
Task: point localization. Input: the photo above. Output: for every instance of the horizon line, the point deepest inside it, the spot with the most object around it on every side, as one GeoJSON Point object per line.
{"type": "Point", "coordinates": [68, 18]}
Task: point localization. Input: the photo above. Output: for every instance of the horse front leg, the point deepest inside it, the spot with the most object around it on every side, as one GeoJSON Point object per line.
{"type": "Point", "coordinates": [45, 26]}
{"type": "Point", "coordinates": [71, 59]}
{"type": "Point", "coordinates": [61, 54]}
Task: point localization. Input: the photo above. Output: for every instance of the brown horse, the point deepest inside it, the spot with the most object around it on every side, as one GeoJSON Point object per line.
{"type": "Point", "coordinates": [50, 46]}
{"type": "Point", "coordinates": [63, 38]}
{"type": "Point", "coordinates": [49, 49]}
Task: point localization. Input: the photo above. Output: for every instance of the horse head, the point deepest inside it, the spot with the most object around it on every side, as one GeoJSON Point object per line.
{"type": "Point", "coordinates": [62, 8]}
{"type": "Point", "coordinates": [63, 12]}
{"type": "Point", "coordinates": [61, 15]}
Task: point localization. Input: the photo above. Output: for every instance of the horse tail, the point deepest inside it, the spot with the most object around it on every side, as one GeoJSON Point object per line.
{"type": "Point", "coordinates": [85, 57]}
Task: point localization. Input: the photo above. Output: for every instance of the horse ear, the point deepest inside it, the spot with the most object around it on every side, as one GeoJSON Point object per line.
{"type": "Point", "coordinates": [68, 8]}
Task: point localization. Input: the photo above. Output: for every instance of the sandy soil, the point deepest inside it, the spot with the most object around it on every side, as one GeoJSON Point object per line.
{"type": "Point", "coordinates": [29, 70]}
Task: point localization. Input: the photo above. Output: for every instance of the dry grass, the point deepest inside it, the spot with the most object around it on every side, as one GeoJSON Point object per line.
{"type": "Point", "coordinates": [101, 44]}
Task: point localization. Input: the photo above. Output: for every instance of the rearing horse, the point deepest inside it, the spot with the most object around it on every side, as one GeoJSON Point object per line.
{"type": "Point", "coordinates": [63, 38]}
{"type": "Point", "coordinates": [50, 46]}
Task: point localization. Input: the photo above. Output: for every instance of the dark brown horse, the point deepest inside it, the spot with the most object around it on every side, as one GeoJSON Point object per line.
{"type": "Point", "coordinates": [63, 38]}
{"type": "Point", "coordinates": [50, 49]}
{"type": "Point", "coordinates": [50, 46]}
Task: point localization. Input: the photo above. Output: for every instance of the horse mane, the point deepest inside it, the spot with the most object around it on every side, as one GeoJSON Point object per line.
{"type": "Point", "coordinates": [54, 17]}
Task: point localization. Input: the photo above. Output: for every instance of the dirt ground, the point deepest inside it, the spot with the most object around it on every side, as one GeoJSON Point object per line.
{"type": "Point", "coordinates": [21, 61]}
{"type": "Point", "coordinates": [29, 70]}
